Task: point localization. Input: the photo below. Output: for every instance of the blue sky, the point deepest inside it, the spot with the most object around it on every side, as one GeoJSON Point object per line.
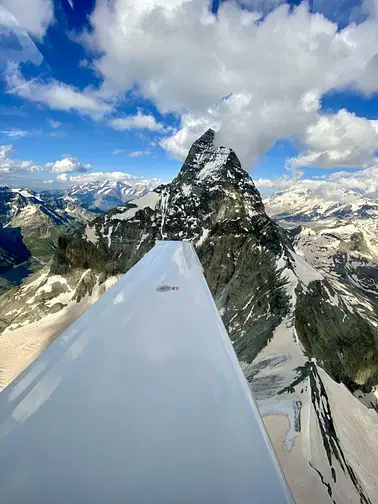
{"type": "Point", "coordinates": [107, 95]}
{"type": "Point", "coordinates": [91, 141]}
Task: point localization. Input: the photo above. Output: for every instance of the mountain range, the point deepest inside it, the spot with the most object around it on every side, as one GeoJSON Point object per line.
{"type": "Point", "coordinates": [299, 303]}
{"type": "Point", "coordinates": [31, 222]}
{"type": "Point", "coordinates": [339, 238]}
{"type": "Point", "coordinates": [300, 204]}
{"type": "Point", "coordinates": [103, 196]}
{"type": "Point", "coordinates": [29, 229]}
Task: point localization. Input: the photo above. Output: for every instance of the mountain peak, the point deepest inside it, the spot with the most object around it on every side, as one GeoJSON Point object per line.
{"type": "Point", "coordinates": [207, 162]}
{"type": "Point", "coordinates": [209, 165]}
{"type": "Point", "coordinates": [207, 137]}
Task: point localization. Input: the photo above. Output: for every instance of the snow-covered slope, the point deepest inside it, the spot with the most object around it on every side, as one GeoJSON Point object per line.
{"type": "Point", "coordinates": [102, 196]}
{"type": "Point", "coordinates": [295, 332]}
{"type": "Point", "coordinates": [299, 203]}
{"type": "Point", "coordinates": [344, 213]}
{"type": "Point", "coordinates": [339, 238]}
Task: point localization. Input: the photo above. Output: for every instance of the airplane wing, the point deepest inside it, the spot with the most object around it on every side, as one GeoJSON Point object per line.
{"type": "Point", "coordinates": [140, 401]}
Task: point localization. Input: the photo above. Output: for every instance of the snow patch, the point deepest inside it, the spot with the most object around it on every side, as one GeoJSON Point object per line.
{"type": "Point", "coordinates": [148, 201]}
{"type": "Point", "coordinates": [90, 234]}
{"type": "Point", "coordinates": [143, 237]}
{"type": "Point", "coordinates": [186, 189]}
{"type": "Point", "coordinates": [204, 235]}
{"type": "Point", "coordinates": [212, 163]}
{"type": "Point", "coordinates": [47, 287]}
{"type": "Point", "coordinates": [304, 271]}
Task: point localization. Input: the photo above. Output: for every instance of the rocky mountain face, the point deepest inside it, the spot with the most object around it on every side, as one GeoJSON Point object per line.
{"type": "Point", "coordinates": [30, 229]}
{"type": "Point", "coordinates": [300, 338]}
{"type": "Point", "coordinates": [339, 238]}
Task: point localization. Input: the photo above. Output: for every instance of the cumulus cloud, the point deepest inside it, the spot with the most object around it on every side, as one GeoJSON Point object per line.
{"type": "Point", "coordinates": [342, 139]}
{"type": "Point", "coordinates": [265, 183]}
{"type": "Point", "coordinates": [34, 16]}
{"type": "Point", "coordinates": [137, 121]}
{"type": "Point", "coordinates": [191, 128]}
{"type": "Point", "coordinates": [254, 74]}
{"type": "Point", "coordinates": [70, 164]}
{"type": "Point", "coordinates": [117, 151]}
{"type": "Point", "coordinates": [113, 176]}
{"type": "Point", "coordinates": [354, 184]}
{"type": "Point", "coordinates": [9, 165]}
{"type": "Point", "coordinates": [364, 182]}
{"type": "Point", "coordinates": [95, 177]}
{"type": "Point", "coordinates": [55, 94]}
{"type": "Point", "coordinates": [253, 78]}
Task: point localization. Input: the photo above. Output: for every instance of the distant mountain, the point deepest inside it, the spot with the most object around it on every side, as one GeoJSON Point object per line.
{"type": "Point", "coordinates": [41, 217]}
{"type": "Point", "coordinates": [338, 236]}
{"type": "Point", "coordinates": [103, 196]}
{"type": "Point", "coordinates": [301, 204]}
{"type": "Point", "coordinates": [301, 332]}
{"type": "Point", "coordinates": [30, 227]}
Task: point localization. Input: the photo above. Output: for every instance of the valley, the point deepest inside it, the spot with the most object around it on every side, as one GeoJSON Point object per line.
{"type": "Point", "coordinates": [29, 228]}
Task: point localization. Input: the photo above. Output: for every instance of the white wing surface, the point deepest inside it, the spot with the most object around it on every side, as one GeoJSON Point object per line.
{"type": "Point", "coordinates": [140, 401]}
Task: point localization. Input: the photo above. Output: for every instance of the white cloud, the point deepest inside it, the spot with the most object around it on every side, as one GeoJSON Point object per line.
{"type": "Point", "coordinates": [70, 164]}
{"type": "Point", "coordinates": [139, 153]}
{"type": "Point", "coordinates": [138, 121]}
{"type": "Point", "coordinates": [63, 177]}
{"type": "Point", "coordinates": [360, 183]}
{"type": "Point", "coordinates": [364, 181]}
{"type": "Point", "coordinates": [117, 151]}
{"type": "Point", "coordinates": [56, 95]}
{"type": "Point", "coordinates": [9, 165]}
{"type": "Point", "coordinates": [273, 72]}
{"type": "Point", "coordinates": [84, 63]}
{"type": "Point", "coordinates": [342, 139]}
{"type": "Point", "coordinates": [191, 128]}
{"type": "Point", "coordinates": [114, 176]}
{"type": "Point", "coordinates": [22, 48]}
{"type": "Point", "coordinates": [98, 177]}
{"type": "Point", "coordinates": [34, 15]}
{"type": "Point", "coordinates": [54, 124]}
{"type": "Point", "coordinates": [260, 182]}
{"type": "Point", "coordinates": [254, 79]}
{"type": "Point", "coordinates": [15, 133]}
